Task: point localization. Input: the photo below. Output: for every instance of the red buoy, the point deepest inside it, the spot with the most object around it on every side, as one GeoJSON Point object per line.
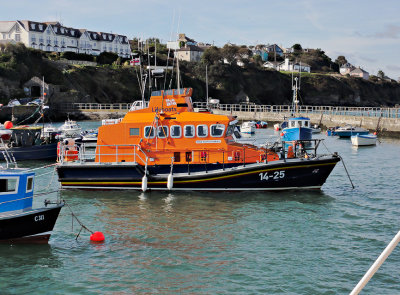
{"type": "Point", "coordinates": [97, 237]}
{"type": "Point", "coordinates": [8, 124]}
{"type": "Point", "coordinates": [282, 134]}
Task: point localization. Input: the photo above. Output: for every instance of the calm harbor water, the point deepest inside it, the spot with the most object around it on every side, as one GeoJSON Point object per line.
{"type": "Point", "coordinates": [314, 242]}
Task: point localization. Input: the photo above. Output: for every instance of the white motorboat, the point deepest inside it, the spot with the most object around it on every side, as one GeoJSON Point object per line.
{"type": "Point", "coordinates": [70, 129]}
{"type": "Point", "coordinates": [248, 127]}
{"type": "Point", "coordinates": [363, 139]}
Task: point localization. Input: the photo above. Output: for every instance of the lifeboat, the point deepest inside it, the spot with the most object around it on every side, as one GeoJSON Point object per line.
{"type": "Point", "coordinates": [169, 146]}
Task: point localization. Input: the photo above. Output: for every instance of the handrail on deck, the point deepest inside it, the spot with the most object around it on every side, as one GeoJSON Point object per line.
{"type": "Point", "coordinates": [82, 153]}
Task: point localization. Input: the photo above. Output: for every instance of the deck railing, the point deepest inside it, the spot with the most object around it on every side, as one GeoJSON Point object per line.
{"type": "Point", "coordinates": [253, 108]}
{"type": "Point", "coordinates": [83, 153]}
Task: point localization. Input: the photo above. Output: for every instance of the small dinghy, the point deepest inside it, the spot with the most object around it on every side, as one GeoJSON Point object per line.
{"type": "Point", "coordinates": [363, 140]}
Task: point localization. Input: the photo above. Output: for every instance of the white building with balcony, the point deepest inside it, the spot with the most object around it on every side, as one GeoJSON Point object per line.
{"type": "Point", "coordinates": [54, 37]}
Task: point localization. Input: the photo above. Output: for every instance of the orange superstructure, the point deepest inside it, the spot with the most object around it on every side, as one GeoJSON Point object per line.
{"type": "Point", "coordinates": [169, 130]}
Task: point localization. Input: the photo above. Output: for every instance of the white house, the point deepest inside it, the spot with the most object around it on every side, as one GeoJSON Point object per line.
{"type": "Point", "coordinates": [272, 65]}
{"type": "Point", "coordinates": [190, 53]}
{"type": "Point", "coordinates": [358, 72]}
{"type": "Point", "coordinates": [346, 69]}
{"type": "Point", "coordinates": [294, 66]}
{"type": "Point", "coordinates": [52, 36]}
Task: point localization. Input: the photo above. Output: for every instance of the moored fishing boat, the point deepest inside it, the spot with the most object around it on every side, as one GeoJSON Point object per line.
{"type": "Point", "coordinates": [27, 143]}
{"type": "Point", "coordinates": [248, 127]}
{"type": "Point", "coordinates": [168, 146]}
{"type": "Point", "coordinates": [348, 131]}
{"type": "Point", "coordinates": [70, 129]}
{"type": "Point", "coordinates": [19, 222]}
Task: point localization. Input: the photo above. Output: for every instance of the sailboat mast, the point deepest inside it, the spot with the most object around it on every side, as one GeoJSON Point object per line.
{"type": "Point", "coordinates": [178, 79]}
{"type": "Point", "coordinates": [206, 86]}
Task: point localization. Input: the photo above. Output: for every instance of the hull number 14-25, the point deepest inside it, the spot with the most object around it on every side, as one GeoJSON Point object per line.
{"type": "Point", "coordinates": [273, 175]}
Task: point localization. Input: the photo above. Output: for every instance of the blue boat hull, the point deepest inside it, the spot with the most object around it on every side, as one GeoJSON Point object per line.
{"type": "Point", "coordinates": [348, 134]}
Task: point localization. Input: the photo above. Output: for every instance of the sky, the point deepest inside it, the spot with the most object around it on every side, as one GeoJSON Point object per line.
{"type": "Point", "coordinates": [366, 32]}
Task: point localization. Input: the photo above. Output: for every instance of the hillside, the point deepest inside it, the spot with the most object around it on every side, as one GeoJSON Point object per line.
{"type": "Point", "coordinates": [229, 83]}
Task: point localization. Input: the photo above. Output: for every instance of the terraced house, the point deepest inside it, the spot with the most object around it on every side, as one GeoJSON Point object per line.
{"type": "Point", "coordinates": [52, 36]}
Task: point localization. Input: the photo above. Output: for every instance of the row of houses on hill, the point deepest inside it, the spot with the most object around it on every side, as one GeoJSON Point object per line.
{"type": "Point", "coordinates": [54, 37]}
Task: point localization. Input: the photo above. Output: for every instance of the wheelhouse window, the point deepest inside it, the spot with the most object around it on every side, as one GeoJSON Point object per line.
{"type": "Point", "coordinates": [134, 132]}
{"type": "Point", "coordinates": [292, 123]}
{"type": "Point", "coordinates": [162, 132]}
{"type": "Point", "coordinates": [306, 124]}
{"type": "Point", "coordinates": [217, 130]}
{"type": "Point", "coordinates": [176, 131]}
{"type": "Point", "coordinates": [8, 185]}
{"type": "Point", "coordinates": [189, 131]}
{"type": "Point", "coordinates": [29, 184]}
{"type": "Point", "coordinates": [202, 130]}
{"type": "Point", "coordinates": [149, 132]}
{"type": "Point", "coordinates": [230, 130]}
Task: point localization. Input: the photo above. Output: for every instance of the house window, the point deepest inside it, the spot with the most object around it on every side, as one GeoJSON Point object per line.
{"type": "Point", "coordinates": [40, 27]}
{"type": "Point", "coordinates": [48, 31]}
{"type": "Point", "coordinates": [33, 26]}
{"type": "Point", "coordinates": [4, 36]}
{"type": "Point", "coordinates": [17, 37]}
{"type": "Point", "coordinates": [62, 30]}
{"type": "Point", "coordinates": [202, 131]}
{"type": "Point", "coordinates": [17, 29]}
{"type": "Point", "coordinates": [134, 132]}
{"type": "Point", "coordinates": [149, 132]}
{"type": "Point", "coordinates": [176, 131]}
{"type": "Point", "coordinates": [217, 130]}
{"type": "Point", "coordinates": [73, 33]}
{"type": "Point", "coordinates": [189, 131]}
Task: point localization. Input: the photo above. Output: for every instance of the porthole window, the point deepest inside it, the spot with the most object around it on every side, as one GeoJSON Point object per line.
{"type": "Point", "coordinates": [162, 132]}
{"type": "Point", "coordinates": [217, 130]}
{"type": "Point", "coordinates": [176, 131]}
{"type": "Point", "coordinates": [202, 130]}
{"type": "Point", "coordinates": [149, 132]}
{"type": "Point", "coordinates": [189, 131]}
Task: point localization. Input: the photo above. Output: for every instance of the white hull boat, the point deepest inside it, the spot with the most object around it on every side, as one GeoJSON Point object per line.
{"type": "Point", "coordinates": [361, 140]}
{"type": "Point", "coordinates": [248, 127]}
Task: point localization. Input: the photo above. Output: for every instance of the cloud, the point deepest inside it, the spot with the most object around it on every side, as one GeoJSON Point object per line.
{"type": "Point", "coordinates": [393, 68]}
{"type": "Point", "coordinates": [389, 32]}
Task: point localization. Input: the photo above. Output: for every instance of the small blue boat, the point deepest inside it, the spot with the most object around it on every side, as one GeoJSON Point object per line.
{"type": "Point", "coordinates": [348, 131]}
{"type": "Point", "coordinates": [19, 223]}
{"type": "Point", "coordinates": [298, 129]}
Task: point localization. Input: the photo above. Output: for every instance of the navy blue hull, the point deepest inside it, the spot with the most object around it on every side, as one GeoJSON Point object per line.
{"type": "Point", "coordinates": [35, 152]}
{"type": "Point", "coordinates": [33, 226]}
{"type": "Point", "coordinates": [271, 176]}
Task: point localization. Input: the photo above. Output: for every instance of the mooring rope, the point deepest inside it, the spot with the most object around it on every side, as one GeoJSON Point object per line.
{"type": "Point", "coordinates": [344, 165]}
{"type": "Point", "coordinates": [80, 223]}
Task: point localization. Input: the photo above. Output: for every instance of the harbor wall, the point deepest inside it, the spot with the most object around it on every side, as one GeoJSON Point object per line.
{"type": "Point", "coordinates": [387, 126]}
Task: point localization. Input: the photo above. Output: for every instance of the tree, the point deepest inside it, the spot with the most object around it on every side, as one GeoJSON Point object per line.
{"type": "Point", "coordinates": [381, 74]}
{"type": "Point", "coordinates": [297, 47]}
{"type": "Point", "coordinates": [229, 52]}
{"type": "Point", "coordinates": [341, 60]}
{"type": "Point", "coordinates": [211, 55]}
